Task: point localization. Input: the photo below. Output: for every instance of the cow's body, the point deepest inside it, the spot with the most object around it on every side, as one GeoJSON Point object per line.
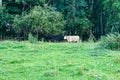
{"type": "Point", "coordinates": [72, 38]}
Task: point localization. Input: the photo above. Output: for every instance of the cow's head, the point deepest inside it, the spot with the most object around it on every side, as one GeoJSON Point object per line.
{"type": "Point", "coordinates": [65, 37]}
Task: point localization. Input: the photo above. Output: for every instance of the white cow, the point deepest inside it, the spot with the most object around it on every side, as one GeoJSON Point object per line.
{"type": "Point", "coordinates": [72, 38]}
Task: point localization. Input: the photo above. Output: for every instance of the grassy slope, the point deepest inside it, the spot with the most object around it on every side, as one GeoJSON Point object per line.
{"type": "Point", "coordinates": [57, 61]}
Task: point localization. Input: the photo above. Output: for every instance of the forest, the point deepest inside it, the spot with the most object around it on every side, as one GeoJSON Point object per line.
{"type": "Point", "coordinates": [55, 18]}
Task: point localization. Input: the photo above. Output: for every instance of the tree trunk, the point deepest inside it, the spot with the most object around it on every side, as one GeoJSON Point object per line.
{"type": "Point", "coordinates": [92, 4]}
{"type": "Point", "coordinates": [92, 36]}
{"type": "Point", "coordinates": [0, 4]}
{"type": "Point", "coordinates": [48, 2]}
{"type": "Point", "coordinates": [101, 22]}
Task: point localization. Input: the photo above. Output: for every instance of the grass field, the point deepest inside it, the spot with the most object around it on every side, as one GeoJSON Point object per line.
{"type": "Point", "coordinates": [57, 61]}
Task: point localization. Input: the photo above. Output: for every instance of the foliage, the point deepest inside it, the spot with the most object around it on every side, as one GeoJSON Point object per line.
{"type": "Point", "coordinates": [32, 39]}
{"type": "Point", "coordinates": [77, 21]}
{"type": "Point", "coordinates": [40, 20]}
{"type": "Point", "coordinates": [112, 10]}
{"type": "Point", "coordinates": [99, 16]}
{"type": "Point", "coordinates": [111, 41]}
{"type": "Point", "coordinates": [19, 6]}
{"type": "Point", "coordinates": [25, 1]}
{"type": "Point", "coordinates": [6, 21]}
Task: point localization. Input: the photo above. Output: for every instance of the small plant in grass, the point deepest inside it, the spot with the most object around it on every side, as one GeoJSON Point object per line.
{"type": "Point", "coordinates": [90, 39]}
{"type": "Point", "coordinates": [50, 73]}
{"type": "Point", "coordinates": [118, 70]}
{"type": "Point", "coordinates": [79, 71]}
{"type": "Point", "coordinates": [111, 41]}
{"type": "Point", "coordinates": [117, 59]}
{"type": "Point", "coordinates": [32, 39]}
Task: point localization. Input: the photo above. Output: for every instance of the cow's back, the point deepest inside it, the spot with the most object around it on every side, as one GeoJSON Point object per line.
{"type": "Point", "coordinates": [72, 38]}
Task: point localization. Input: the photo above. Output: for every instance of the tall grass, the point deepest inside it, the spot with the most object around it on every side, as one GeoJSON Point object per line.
{"type": "Point", "coordinates": [111, 41]}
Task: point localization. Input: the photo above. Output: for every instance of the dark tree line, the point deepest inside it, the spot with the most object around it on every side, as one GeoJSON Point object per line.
{"type": "Point", "coordinates": [86, 18]}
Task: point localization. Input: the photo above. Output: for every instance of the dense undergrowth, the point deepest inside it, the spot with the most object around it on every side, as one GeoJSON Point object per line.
{"type": "Point", "coordinates": [111, 41]}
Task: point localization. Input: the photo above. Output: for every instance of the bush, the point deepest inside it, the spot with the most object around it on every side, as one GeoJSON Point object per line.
{"type": "Point", "coordinates": [32, 39]}
{"type": "Point", "coordinates": [111, 41]}
{"type": "Point", "coordinates": [40, 20]}
{"type": "Point", "coordinates": [6, 21]}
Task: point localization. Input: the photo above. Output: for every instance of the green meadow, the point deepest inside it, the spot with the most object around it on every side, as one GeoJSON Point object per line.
{"type": "Point", "coordinates": [57, 61]}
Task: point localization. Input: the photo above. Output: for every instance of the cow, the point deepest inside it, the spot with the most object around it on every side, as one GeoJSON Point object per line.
{"type": "Point", "coordinates": [72, 38]}
{"type": "Point", "coordinates": [54, 38]}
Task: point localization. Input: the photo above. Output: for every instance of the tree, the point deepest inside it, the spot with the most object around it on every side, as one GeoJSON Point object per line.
{"type": "Point", "coordinates": [83, 17]}
{"type": "Point", "coordinates": [40, 20]}
{"type": "Point", "coordinates": [6, 21]}
{"type": "Point", "coordinates": [76, 17]}
{"type": "Point", "coordinates": [97, 17]}
{"type": "Point", "coordinates": [0, 3]}
{"type": "Point", "coordinates": [112, 11]}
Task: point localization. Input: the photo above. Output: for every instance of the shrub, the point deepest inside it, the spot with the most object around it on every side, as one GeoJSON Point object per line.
{"type": "Point", "coordinates": [40, 20]}
{"type": "Point", "coordinates": [111, 41]}
{"type": "Point", "coordinates": [6, 21]}
{"type": "Point", "coordinates": [32, 39]}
